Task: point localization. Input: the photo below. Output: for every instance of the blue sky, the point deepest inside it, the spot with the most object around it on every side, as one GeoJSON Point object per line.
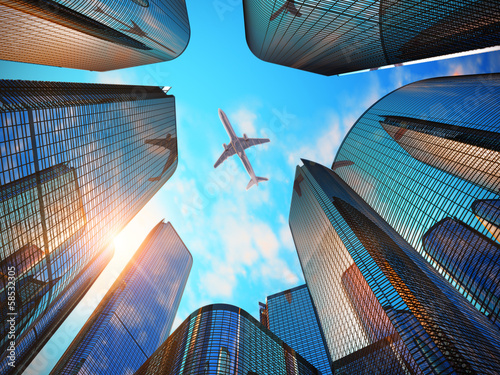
{"type": "Point", "coordinates": [240, 240]}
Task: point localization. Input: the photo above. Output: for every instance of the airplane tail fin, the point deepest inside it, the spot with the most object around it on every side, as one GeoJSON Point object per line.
{"type": "Point", "coordinates": [259, 179]}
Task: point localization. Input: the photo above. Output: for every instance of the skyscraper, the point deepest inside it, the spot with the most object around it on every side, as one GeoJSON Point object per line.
{"type": "Point", "coordinates": [222, 340]}
{"type": "Point", "coordinates": [426, 158]}
{"type": "Point", "coordinates": [375, 295]}
{"type": "Point", "coordinates": [104, 35]}
{"type": "Point", "coordinates": [291, 316]}
{"type": "Point", "coordinates": [334, 37]}
{"type": "Point", "coordinates": [78, 162]}
{"type": "Point", "coordinates": [137, 313]}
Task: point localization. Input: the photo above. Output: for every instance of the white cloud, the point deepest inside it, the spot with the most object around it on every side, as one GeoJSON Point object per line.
{"type": "Point", "coordinates": [265, 240]}
{"type": "Point", "coordinates": [277, 269]}
{"type": "Point", "coordinates": [286, 238]}
{"type": "Point", "coordinates": [219, 282]}
{"type": "Point", "coordinates": [117, 77]}
{"type": "Point", "coordinates": [244, 119]}
{"type": "Point", "coordinates": [324, 148]}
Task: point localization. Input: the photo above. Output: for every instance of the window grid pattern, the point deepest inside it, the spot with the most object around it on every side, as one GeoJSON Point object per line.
{"type": "Point", "coordinates": [441, 330]}
{"type": "Point", "coordinates": [222, 340]}
{"type": "Point", "coordinates": [138, 311]}
{"type": "Point", "coordinates": [39, 333]}
{"type": "Point", "coordinates": [339, 36]}
{"type": "Point", "coordinates": [314, 238]}
{"type": "Point", "coordinates": [487, 212]}
{"type": "Point", "coordinates": [326, 264]}
{"type": "Point", "coordinates": [292, 318]}
{"type": "Point", "coordinates": [86, 35]}
{"type": "Point", "coordinates": [40, 215]}
{"type": "Point", "coordinates": [427, 152]}
{"type": "Point", "coordinates": [387, 354]}
{"type": "Point", "coordinates": [469, 257]}
{"type": "Point", "coordinates": [104, 143]}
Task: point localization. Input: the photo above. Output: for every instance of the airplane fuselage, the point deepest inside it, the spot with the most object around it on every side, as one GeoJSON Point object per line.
{"type": "Point", "coordinates": [236, 144]}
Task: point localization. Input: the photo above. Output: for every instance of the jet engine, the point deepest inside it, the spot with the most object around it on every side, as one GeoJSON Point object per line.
{"type": "Point", "coordinates": [225, 146]}
{"type": "Point", "coordinates": [245, 137]}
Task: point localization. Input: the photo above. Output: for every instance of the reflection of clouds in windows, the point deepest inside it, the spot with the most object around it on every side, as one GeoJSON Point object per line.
{"type": "Point", "coordinates": [143, 336]}
{"type": "Point", "coordinates": [142, 3]}
{"type": "Point", "coordinates": [144, 310]}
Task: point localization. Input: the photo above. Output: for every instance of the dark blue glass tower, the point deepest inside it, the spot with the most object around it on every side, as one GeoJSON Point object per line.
{"type": "Point", "coordinates": [291, 316]}
{"type": "Point", "coordinates": [376, 296]}
{"type": "Point", "coordinates": [137, 313]}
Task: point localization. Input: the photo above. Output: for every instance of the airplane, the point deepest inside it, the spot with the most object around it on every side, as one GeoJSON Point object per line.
{"type": "Point", "coordinates": [289, 6]}
{"type": "Point", "coordinates": [170, 143]}
{"type": "Point", "coordinates": [238, 146]}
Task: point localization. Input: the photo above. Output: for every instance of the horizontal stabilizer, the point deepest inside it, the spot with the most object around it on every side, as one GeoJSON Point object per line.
{"type": "Point", "coordinates": [259, 179]}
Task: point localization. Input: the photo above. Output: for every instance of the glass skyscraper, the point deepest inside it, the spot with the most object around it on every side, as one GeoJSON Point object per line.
{"type": "Point", "coordinates": [290, 315]}
{"type": "Point", "coordinates": [382, 307]}
{"type": "Point", "coordinates": [339, 36]}
{"type": "Point", "coordinates": [426, 158]}
{"type": "Point", "coordinates": [100, 36]}
{"type": "Point", "coordinates": [78, 162]}
{"type": "Point", "coordinates": [138, 311]}
{"type": "Point", "coordinates": [224, 340]}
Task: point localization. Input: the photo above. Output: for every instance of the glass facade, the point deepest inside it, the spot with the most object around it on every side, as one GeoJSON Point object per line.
{"type": "Point", "coordinates": [468, 260]}
{"type": "Point", "coordinates": [340, 36]}
{"type": "Point", "coordinates": [428, 153]}
{"type": "Point", "coordinates": [404, 311]}
{"type": "Point", "coordinates": [137, 313]}
{"type": "Point", "coordinates": [291, 316]}
{"type": "Point", "coordinates": [76, 167]}
{"type": "Point", "coordinates": [49, 200]}
{"type": "Point", "coordinates": [42, 329]}
{"type": "Point", "coordinates": [387, 354]}
{"type": "Point", "coordinates": [488, 213]}
{"type": "Point", "coordinates": [222, 340]}
{"type": "Point", "coordinates": [104, 35]}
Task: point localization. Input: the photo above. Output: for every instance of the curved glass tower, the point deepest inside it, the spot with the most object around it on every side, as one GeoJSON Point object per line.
{"type": "Point", "coordinates": [100, 36]}
{"type": "Point", "coordinates": [78, 162]}
{"type": "Point", "coordinates": [426, 158]}
{"type": "Point", "coordinates": [224, 340]}
{"type": "Point", "coordinates": [138, 311]}
{"type": "Point", "coordinates": [340, 36]}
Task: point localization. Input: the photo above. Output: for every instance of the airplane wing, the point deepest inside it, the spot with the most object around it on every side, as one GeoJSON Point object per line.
{"type": "Point", "coordinates": [249, 142]}
{"type": "Point", "coordinates": [226, 154]}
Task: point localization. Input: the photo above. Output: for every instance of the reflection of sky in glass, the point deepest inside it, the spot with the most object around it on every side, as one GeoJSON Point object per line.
{"type": "Point", "coordinates": [221, 340]}
{"type": "Point", "coordinates": [22, 233]}
{"type": "Point", "coordinates": [105, 145]}
{"type": "Point", "coordinates": [136, 315]}
{"type": "Point", "coordinates": [410, 195]}
{"type": "Point", "coordinates": [405, 284]}
{"type": "Point", "coordinates": [115, 161]}
{"type": "Point", "coordinates": [314, 238]}
{"type": "Point", "coordinates": [292, 318]}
